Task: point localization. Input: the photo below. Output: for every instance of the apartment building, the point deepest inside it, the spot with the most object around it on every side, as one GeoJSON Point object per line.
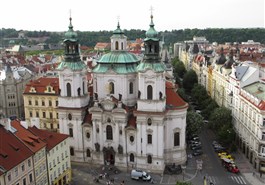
{"type": "Point", "coordinates": [37, 146]}
{"type": "Point", "coordinates": [12, 84]}
{"type": "Point", "coordinates": [16, 162]}
{"type": "Point", "coordinates": [58, 155]}
{"type": "Point", "coordinates": [41, 102]}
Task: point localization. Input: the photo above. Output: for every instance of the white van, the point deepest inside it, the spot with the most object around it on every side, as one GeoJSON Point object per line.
{"type": "Point", "coordinates": [139, 174]}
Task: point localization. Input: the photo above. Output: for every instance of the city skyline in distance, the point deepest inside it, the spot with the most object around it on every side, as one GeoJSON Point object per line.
{"type": "Point", "coordinates": [104, 15]}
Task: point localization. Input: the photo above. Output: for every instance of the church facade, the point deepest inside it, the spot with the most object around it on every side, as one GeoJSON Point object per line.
{"type": "Point", "coordinates": [135, 118]}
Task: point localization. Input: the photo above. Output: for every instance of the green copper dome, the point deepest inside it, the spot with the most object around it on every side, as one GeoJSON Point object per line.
{"type": "Point", "coordinates": [70, 34]}
{"type": "Point", "coordinates": [151, 33]}
{"type": "Point", "coordinates": [118, 57]}
{"type": "Point", "coordinates": [121, 62]}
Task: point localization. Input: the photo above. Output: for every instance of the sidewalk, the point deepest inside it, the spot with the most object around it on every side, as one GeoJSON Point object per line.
{"type": "Point", "coordinates": [244, 165]}
{"type": "Point", "coordinates": [248, 169]}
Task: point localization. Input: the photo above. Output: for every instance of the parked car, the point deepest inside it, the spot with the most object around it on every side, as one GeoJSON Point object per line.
{"type": "Point", "coordinates": [140, 174]}
{"type": "Point", "coordinates": [230, 165]}
{"type": "Point", "coordinates": [223, 155]}
{"type": "Point", "coordinates": [195, 143]}
{"type": "Point", "coordinates": [219, 148]}
{"type": "Point", "coordinates": [174, 169]}
{"type": "Point", "coordinates": [197, 152]}
{"type": "Point", "coordinates": [196, 147]}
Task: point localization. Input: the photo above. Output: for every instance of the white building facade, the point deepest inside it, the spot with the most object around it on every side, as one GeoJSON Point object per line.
{"type": "Point", "coordinates": [136, 118]}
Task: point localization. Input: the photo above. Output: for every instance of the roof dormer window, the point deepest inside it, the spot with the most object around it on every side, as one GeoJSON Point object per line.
{"type": "Point", "coordinates": [32, 90]}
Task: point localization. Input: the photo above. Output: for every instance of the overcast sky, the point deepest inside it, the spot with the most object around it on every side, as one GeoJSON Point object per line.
{"type": "Point", "coordinates": [95, 15]}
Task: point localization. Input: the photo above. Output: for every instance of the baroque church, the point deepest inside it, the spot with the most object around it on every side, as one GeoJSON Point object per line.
{"type": "Point", "coordinates": [133, 118]}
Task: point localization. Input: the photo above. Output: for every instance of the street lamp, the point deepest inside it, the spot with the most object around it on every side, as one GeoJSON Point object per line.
{"type": "Point", "coordinates": [183, 167]}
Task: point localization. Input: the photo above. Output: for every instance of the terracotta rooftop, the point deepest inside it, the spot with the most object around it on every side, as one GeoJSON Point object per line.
{"type": "Point", "coordinates": [12, 150]}
{"type": "Point", "coordinates": [41, 84]}
{"type": "Point", "coordinates": [33, 142]}
{"type": "Point", "coordinates": [174, 101]}
{"type": "Point", "coordinates": [50, 138]}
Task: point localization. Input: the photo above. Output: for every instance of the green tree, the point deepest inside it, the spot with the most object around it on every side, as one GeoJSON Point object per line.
{"type": "Point", "coordinates": [183, 95]}
{"type": "Point", "coordinates": [199, 93]}
{"type": "Point", "coordinates": [189, 80]}
{"type": "Point", "coordinates": [219, 117]}
{"type": "Point", "coordinates": [194, 123]}
{"type": "Point", "coordinates": [179, 68]}
{"type": "Point", "coordinates": [226, 134]}
{"type": "Point", "coordinates": [208, 106]}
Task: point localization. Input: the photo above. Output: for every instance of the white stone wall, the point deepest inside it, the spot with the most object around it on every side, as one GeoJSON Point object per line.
{"type": "Point", "coordinates": [121, 86]}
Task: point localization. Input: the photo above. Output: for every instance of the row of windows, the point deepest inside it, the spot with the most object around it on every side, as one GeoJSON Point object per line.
{"type": "Point", "coordinates": [69, 90]}
{"type": "Point", "coordinates": [24, 181]}
{"type": "Point", "coordinates": [22, 167]}
{"type": "Point", "coordinates": [39, 155]}
{"type": "Point", "coordinates": [54, 175]}
{"type": "Point", "coordinates": [53, 163]}
{"type": "Point", "coordinates": [11, 96]}
{"type": "Point", "coordinates": [112, 88]}
{"type": "Point", "coordinates": [109, 136]}
{"type": "Point", "coordinates": [44, 115]}
{"type": "Point", "coordinates": [12, 104]}
{"type": "Point", "coordinates": [43, 103]}
{"type": "Point", "coordinates": [57, 147]}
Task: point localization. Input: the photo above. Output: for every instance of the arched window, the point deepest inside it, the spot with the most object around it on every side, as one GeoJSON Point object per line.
{"type": "Point", "coordinates": [72, 151]}
{"type": "Point", "coordinates": [149, 159]}
{"type": "Point", "coordinates": [68, 89]}
{"type": "Point", "coordinates": [88, 154]}
{"type": "Point", "coordinates": [122, 46]}
{"type": "Point", "coordinates": [71, 134]}
{"type": "Point", "coordinates": [79, 91]}
{"type": "Point", "coordinates": [149, 92]}
{"type": "Point", "coordinates": [116, 45]}
{"type": "Point", "coordinates": [131, 158]}
{"type": "Point", "coordinates": [149, 139]}
{"type": "Point", "coordinates": [149, 122]}
{"type": "Point", "coordinates": [111, 86]}
{"type": "Point", "coordinates": [84, 91]}
{"type": "Point", "coordinates": [176, 139]}
{"type": "Point", "coordinates": [131, 88]}
{"type": "Point", "coordinates": [109, 132]}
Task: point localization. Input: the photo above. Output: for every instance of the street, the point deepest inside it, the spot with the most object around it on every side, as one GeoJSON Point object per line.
{"type": "Point", "coordinates": [212, 170]}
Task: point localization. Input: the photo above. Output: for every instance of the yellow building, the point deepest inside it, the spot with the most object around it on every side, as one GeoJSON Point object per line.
{"type": "Point", "coordinates": [41, 102]}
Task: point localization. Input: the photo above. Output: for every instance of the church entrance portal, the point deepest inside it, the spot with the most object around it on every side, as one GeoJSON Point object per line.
{"type": "Point", "coordinates": [109, 155]}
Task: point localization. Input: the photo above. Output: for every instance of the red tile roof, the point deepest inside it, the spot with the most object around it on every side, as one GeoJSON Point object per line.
{"type": "Point", "coordinates": [50, 138]}
{"type": "Point", "coordinates": [12, 150]}
{"type": "Point", "coordinates": [41, 84]}
{"type": "Point", "coordinates": [33, 142]}
{"type": "Point", "coordinates": [174, 101]}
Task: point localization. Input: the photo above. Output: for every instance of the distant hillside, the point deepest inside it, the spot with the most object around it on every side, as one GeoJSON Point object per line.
{"type": "Point", "coordinates": [90, 38]}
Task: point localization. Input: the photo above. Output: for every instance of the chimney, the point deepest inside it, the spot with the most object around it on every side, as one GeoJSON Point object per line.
{"type": "Point", "coordinates": [6, 122]}
{"type": "Point", "coordinates": [35, 122]}
{"type": "Point", "coordinates": [24, 124]}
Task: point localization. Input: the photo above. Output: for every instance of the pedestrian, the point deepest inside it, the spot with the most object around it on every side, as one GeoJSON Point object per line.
{"type": "Point", "coordinates": [253, 173]}
{"type": "Point", "coordinates": [260, 174]}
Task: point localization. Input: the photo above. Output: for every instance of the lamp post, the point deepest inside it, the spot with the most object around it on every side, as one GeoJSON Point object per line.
{"type": "Point", "coordinates": [183, 167]}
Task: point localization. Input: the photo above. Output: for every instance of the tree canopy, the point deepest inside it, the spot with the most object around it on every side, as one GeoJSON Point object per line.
{"type": "Point", "coordinates": [189, 80]}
